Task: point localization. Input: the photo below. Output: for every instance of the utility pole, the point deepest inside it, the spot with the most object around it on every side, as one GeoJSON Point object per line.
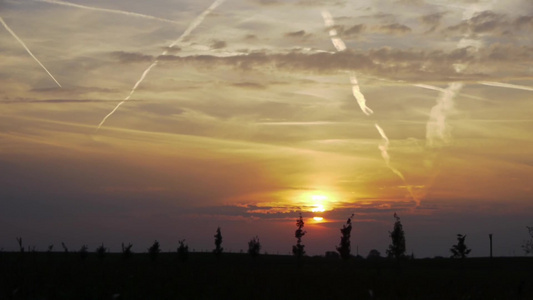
{"type": "Point", "coordinates": [490, 238]}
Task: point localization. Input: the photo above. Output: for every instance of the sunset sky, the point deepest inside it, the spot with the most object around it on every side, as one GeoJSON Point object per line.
{"type": "Point", "coordinates": [251, 111]}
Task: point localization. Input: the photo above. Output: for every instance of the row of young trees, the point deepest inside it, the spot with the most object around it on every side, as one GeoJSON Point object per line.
{"type": "Point", "coordinates": [396, 249]}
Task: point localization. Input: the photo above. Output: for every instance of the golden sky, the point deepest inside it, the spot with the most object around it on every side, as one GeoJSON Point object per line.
{"type": "Point", "coordinates": [241, 114]}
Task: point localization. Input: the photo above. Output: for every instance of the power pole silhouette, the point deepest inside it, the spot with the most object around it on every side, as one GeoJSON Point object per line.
{"type": "Point", "coordinates": [490, 238]}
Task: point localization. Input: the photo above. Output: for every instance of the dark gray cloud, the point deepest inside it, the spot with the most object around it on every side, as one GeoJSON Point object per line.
{"type": "Point", "coordinates": [489, 22]}
{"type": "Point", "coordinates": [432, 21]}
{"type": "Point", "coordinates": [402, 63]}
{"type": "Point", "coordinates": [218, 44]}
{"type": "Point", "coordinates": [393, 29]}
{"type": "Point", "coordinates": [131, 57]}
{"type": "Point", "coordinates": [251, 85]}
{"type": "Point", "coordinates": [299, 33]}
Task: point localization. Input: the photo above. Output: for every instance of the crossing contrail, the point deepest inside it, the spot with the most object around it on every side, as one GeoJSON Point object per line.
{"type": "Point", "coordinates": [114, 11]}
{"type": "Point", "coordinates": [27, 50]}
{"type": "Point", "coordinates": [361, 100]}
{"type": "Point", "coordinates": [187, 31]}
{"type": "Point", "coordinates": [507, 85]}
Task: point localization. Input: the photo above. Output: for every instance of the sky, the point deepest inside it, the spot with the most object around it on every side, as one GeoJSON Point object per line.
{"type": "Point", "coordinates": [134, 121]}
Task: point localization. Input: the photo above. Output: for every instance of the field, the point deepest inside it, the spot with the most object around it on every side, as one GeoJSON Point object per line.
{"type": "Point", "coordinates": [238, 276]}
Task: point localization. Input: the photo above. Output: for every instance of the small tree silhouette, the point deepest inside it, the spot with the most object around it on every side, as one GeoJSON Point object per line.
{"type": "Point", "coordinates": [373, 254]}
{"type": "Point", "coordinates": [84, 252]}
{"type": "Point", "coordinates": [101, 251]}
{"type": "Point", "coordinates": [344, 248]}
{"type": "Point", "coordinates": [528, 245]}
{"type": "Point", "coordinates": [65, 248]}
{"type": "Point", "coordinates": [183, 251]}
{"type": "Point", "coordinates": [154, 250]}
{"type": "Point", "coordinates": [397, 248]}
{"type": "Point", "coordinates": [126, 251]}
{"type": "Point", "coordinates": [298, 249]}
{"type": "Point", "coordinates": [21, 247]}
{"type": "Point", "coordinates": [460, 250]}
{"type": "Point", "coordinates": [218, 242]}
{"type": "Point", "coordinates": [254, 246]}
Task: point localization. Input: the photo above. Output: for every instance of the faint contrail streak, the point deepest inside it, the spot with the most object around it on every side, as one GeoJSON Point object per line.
{"type": "Point", "coordinates": [359, 96]}
{"type": "Point", "coordinates": [507, 85]}
{"type": "Point", "coordinates": [187, 31]}
{"type": "Point", "coordinates": [27, 50]}
{"type": "Point", "coordinates": [436, 127]}
{"type": "Point", "coordinates": [114, 11]}
{"type": "Point", "coordinates": [384, 146]}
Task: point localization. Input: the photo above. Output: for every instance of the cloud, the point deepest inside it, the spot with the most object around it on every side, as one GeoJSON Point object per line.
{"type": "Point", "coordinates": [432, 21]}
{"type": "Point", "coordinates": [407, 64]}
{"type": "Point", "coordinates": [131, 57]}
{"type": "Point", "coordinates": [490, 22]}
{"type": "Point", "coordinates": [299, 33]}
{"type": "Point", "coordinates": [393, 29]}
{"type": "Point", "coordinates": [218, 44]}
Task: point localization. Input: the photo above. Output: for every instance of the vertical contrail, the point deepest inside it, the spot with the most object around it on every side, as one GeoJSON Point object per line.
{"type": "Point", "coordinates": [27, 50]}
{"type": "Point", "coordinates": [114, 11]}
{"type": "Point", "coordinates": [187, 31]}
{"type": "Point", "coordinates": [437, 128]}
{"type": "Point", "coordinates": [358, 95]}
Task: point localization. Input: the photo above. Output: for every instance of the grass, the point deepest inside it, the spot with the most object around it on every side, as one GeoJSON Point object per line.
{"type": "Point", "coordinates": [237, 276]}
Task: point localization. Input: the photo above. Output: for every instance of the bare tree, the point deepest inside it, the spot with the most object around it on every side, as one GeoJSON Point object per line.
{"type": "Point", "coordinates": [298, 249]}
{"type": "Point", "coordinates": [126, 251]}
{"type": "Point", "coordinates": [344, 247]}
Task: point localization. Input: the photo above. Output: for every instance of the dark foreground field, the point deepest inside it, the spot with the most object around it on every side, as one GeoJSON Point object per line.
{"type": "Point", "coordinates": [238, 276]}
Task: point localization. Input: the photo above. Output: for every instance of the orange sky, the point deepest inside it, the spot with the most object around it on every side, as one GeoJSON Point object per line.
{"type": "Point", "coordinates": [251, 117]}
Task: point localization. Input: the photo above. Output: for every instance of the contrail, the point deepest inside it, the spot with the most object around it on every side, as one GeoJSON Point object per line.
{"type": "Point", "coordinates": [436, 127]}
{"type": "Point", "coordinates": [187, 31]}
{"type": "Point", "coordinates": [384, 147]}
{"type": "Point", "coordinates": [28, 50]}
{"type": "Point", "coordinates": [358, 95]}
{"type": "Point", "coordinates": [507, 85]}
{"type": "Point", "coordinates": [114, 11]}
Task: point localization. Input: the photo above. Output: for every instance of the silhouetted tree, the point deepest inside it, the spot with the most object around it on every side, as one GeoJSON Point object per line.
{"type": "Point", "coordinates": [254, 246]}
{"type": "Point", "coordinates": [298, 249]}
{"type": "Point", "coordinates": [373, 254]}
{"type": "Point", "coordinates": [101, 251]}
{"type": "Point", "coordinates": [21, 247]}
{"type": "Point", "coordinates": [84, 252]}
{"type": "Point", "coordinates": [344, 247]}
{"type": "Point", "coordinates": [397, 247]}
{"type": "Point", "coordinates": [460, 250]}
{"type": "Point", "coordinates": [154, 250]}
{"type": "Point", "coordinates": [126, 251]}
{"type": "Point", "coordinates": [528, 245]}
{"type": "Point", "coordinates": [218, 242]}
{"type": "Point", "coordinates": [183, 251]}
{"type": "Point", "coordinates": [50, 247]}
{"type": "Point", "coordinates": [65, 248]}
